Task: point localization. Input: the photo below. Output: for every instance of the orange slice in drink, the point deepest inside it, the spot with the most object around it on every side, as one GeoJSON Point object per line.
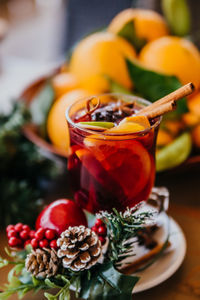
{"type": "Point", "coordinates": [131, 125]}
{"type": "Point", "coordinates": [127, 162]}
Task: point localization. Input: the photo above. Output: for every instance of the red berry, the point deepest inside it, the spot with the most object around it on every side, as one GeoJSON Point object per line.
{"type": "Point", "coordinates": [28, 242]}
{"type": "Point", "coordinates": [94, 228]}
{"type": "Point", "coordinates": [26, 227]}
{"type": "Point", "coordinates": [12, 233]}
{"type": "Point", "coordinates": [44, 243]}
{"type": "Point", "coordinates": [18, 227]}
{"type": "Point", "coordinates": [99, 222]}
{"type": "Point", "coordinates": [102, 239]}
{"type": "Point", "coordinates": [9, 227]}
{"type": "Point", "coordinates": [53, 244]}
{"type": "Point", "coordinates": [50, 234]}
{"type": "Point", "coordinates": [39, 235]}
{"type": "Point", "coordinates": [102, 230]}
{"type": "Point", "coordinates": [34, 243]}
{"type": "Point", "coordinates": [24, 234]}
{"type": "Point", "coordinates": [14, 242]}
{"type": "Point", "coordinates": [32, 234]}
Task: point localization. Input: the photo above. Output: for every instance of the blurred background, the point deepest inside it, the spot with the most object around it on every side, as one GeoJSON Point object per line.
{"type": "Point", "coordinates": [36, 35]}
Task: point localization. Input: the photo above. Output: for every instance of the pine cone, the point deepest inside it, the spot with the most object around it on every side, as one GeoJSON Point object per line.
{"type": "Point", "coordinates": [42, 263]}
{"type": "Point", "coordinates": [80, 248]}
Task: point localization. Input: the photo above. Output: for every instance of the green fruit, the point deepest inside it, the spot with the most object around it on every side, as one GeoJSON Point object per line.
{"type": "Point", "coordinates": [98, 124]}
{"type": "Point", "coordinates": [175, 153]}
{"type": "Point", "coordinates": [178, 16]}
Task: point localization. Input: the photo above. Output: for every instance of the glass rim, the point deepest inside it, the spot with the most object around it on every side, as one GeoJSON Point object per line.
{"type": "Point", "coordinates": [90, 131]}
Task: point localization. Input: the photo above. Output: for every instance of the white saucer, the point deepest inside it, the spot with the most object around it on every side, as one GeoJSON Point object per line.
{"type": "Point", "coordinates": [167, 264]}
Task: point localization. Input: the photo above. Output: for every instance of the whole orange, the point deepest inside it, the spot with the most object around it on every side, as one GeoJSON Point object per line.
{"type": "Point", "coordinates": [194, 104]}
{"type": "Point", "coordinates": [63, 83]}
{"type": "Point", "coordinates": [148, 24]}
{"type": "Point", "coordinates": [101, 54]}
{"type": "Point", "coordinates": [174, 56]}
{"type": "Point", "coordinates": [57, 127]}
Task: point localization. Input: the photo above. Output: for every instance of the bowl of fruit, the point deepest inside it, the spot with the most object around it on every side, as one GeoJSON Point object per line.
{"type": "Point", "coordinates": [135, 55]}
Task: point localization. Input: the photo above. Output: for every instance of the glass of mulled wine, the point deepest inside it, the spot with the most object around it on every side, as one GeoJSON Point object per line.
{"type": "Point", "coordinates": [110, 168]}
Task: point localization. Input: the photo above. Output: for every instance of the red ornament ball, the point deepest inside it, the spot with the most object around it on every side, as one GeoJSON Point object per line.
{"type": "Point", "coordinates": [61, 214]}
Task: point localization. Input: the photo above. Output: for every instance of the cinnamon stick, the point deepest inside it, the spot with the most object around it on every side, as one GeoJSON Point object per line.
{"type": "Point", "coordinates": [182, 92]}
{"type": "Point", "coordinates": [160, 110]}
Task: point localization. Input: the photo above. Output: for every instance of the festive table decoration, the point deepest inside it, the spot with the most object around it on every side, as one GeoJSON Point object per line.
{"type": "Point", "coordinates": [79, 260]}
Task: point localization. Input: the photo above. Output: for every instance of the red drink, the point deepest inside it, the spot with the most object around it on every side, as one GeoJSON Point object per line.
{"type": "Point", "coordinates": [110, 170]}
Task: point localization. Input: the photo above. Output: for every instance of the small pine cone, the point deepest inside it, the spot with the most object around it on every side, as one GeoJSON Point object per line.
{"type": "Point", "coordinates": [42, 263]}
{"type": "Point", "coordinates": [79, 248]}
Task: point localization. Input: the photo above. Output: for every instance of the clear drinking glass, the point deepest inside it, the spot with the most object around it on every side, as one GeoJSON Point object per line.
{"type": "Point", "coordinates": [111, 170]}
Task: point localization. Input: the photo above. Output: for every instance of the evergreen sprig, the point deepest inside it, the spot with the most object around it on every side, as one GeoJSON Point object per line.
{"type": "Point", "coordinates": [122, 228]}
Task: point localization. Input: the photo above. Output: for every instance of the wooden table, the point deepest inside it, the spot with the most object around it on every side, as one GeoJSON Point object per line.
{"type": "Point", "coordinates": [185, 209]}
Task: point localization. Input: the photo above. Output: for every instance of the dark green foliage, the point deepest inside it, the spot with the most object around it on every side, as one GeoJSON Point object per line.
{"type": "Point", "coordinates": [23, 170]}
{"type": "Point", "coordinates": [128, 32]}
{"type": "Point", "coordinates": [153, 86]}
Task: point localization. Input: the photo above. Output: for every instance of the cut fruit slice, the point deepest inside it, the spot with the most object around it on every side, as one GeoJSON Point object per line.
{"type": "Point", "coordinates": [102, 125]}
{"type": "Point", "coordinates": [95, 168]}
{"type": "Point", "coordinates": [175, 153]}
{"type": "Point", "coordinates": [131, 124]}
{"type": "Point", "coordinates": [128, 127]}
{"type": "Point", "coordinates": [142, 120]}
{"type": "Point", "coordinates": [127, 162]}
{"type": "Point", "coordinates": [130, 166]}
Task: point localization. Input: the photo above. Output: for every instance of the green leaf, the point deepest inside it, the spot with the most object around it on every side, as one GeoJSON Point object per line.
{"type": "Point", "coordinates": [26, 277]}
{"type": "Point", "coordinates": [41, 105]}
{"type": "Point", "coordinates": [50, 296]}
{"type": "Point", "coordinates": [51, 284]}
{"type": "Point", "coordinates": [128, 32]}
{"type": "Point", "coordinates": [65, 295]}
{"type": "Point", "coordinates": [175, 153]}
{"type": "Point", "coordinates": [123, 283]}
{"type": "Point", "coordinates": [5, 295]}
{"type": "Point", "coordinates": [153, 86]}
{"type": "Point", "coordinates": [16, 270]}
{"type": "Point", "coordinates": [36, 282]}
{"type": "Point", "coordinates": [178, 16]}
{"type": "Point", "coordinates": [107, 283]}
{"type": "Point", "coordinates": [22, 293]}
